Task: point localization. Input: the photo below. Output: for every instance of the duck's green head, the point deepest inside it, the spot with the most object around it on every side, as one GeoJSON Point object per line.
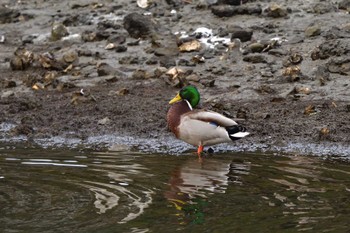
{"type": "Point", "coordinates": [189, 93]}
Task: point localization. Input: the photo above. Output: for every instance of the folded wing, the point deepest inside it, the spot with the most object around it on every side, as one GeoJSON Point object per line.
{"type": "Point", "coordinates": [211, 117]}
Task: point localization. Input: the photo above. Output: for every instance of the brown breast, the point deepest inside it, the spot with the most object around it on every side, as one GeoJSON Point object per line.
{"type": "Point", "coordinates": [174, 115]}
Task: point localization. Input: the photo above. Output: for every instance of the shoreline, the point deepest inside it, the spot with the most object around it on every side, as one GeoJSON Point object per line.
{"type": "Point", "coordinates": [112, 67]}
{"type": "Point", "coordinates": [172, 146]}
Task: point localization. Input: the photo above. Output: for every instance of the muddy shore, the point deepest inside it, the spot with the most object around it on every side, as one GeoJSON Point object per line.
{"type": "Point", "coordinates": [101, 74]}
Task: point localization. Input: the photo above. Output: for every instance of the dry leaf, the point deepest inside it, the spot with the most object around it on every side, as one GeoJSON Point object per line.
{"type": "Point", "coordinates": [190, 46]}
{"type": "Point", "coordinates": [110, 46]}
{"type": "Point", "coordinates": [174, 72]}
{"type": "Point", "coordinates": [123, 91]}
{"type": "Point", "coordinates": [302, 90]}
{"type": "Point", "coordinates": [309, 110]}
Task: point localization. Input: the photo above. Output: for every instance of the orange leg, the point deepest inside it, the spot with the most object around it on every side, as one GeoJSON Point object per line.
{"type": "Point", "coordinates": [199, 151]}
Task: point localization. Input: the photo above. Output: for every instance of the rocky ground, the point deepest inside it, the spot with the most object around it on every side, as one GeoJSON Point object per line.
{"type": "Point", "coordinates": [102, 73]}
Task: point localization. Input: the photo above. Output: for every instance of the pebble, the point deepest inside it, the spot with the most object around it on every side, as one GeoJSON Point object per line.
{"type": "Point", "coordinates": [255, 47]}
{"type": "Point", "coordinates": [6, 94]}
{"type": "Point", "coordinates": [240, 33]}
{"type": "Point", "coordinates": [117, 39]}
{"type": "Point", "coordinates": [110, 46]}
{"type": "Point", "coordinates": [121, 48]}
{"type": "Point", "coordinates": [339, 65]}
{"type": "Point", "coordinates": [16, 63]}
{"type": "Point", "coordinates": [278, 52]}
{"type": "Point", "coordinates": [70, 56]}
{"type": "Point", "coordinates": [228, 10]}
{"type": "Point", "coordinates": [276, 11]}
{"type": "Point", "coordinates": [143, 3]}
{"type": "Point", "coordinates": [104, 121]}
{"type": "Point", "coordinates": [255, 58]}
{"type": "Point", "coordinates": [344, 5]}
{"type": "Point", "coordinates": [104, 69]}
{"type": "Point", "coordinates": [123, 91]}
{"type": "Point", "coordinates": [73, 39]}
{"type": "Point", "coordinates": [138, 25]}
{"type": "Point", "coordinates": [8, 15]}
{"type": "Point", "coordinates": [323, 7]}
{"type": "Point", "coordinates": [58, 31]}
{"type": "Point", "coordinates": [140, 74]}
{"type": "Point", "coordinates": [167, 61]}
{"type": "Point", "coordinates": [336, 33]}
{"type": "Point", "coordinates": [329, 48]}
{"type": "Point", "coordinates": [312, 31]}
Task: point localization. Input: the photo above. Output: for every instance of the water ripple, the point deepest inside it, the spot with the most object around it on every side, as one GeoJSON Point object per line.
{"type": "Point", "coordinates": [72, 191]}
{"type": "Point", "coordinates": [59, 188]}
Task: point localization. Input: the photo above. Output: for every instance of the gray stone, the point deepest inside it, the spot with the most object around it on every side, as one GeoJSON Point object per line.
{"type": "Point", "coordinates": [138, 25]}
{"type": "Point", "coordinates": [278, 52]}
{"type": "Point", "coordinates": [104, 121]}
{"type": "Point", "coordinates": [323, 7]}
{"type": "Point", "coordinates": [335, 33]}
{"type": "Point", "coordinates": [276, 11]}
{"type": "Point", "coordinates": [7, 94]}
{"type": "Point", "coordinates": [58, 31]}
{"type": "Point", "coordinates": [336, 47]}
{"type": "Point", "coordinates": [255, 58]}
{"type": "Point", "coordinates": [8, 15]}
{"type": "Point", "coordinates": [339, 65]}
{"type": "Point", "coordinates": [119, 147]}
{"type": "Point", "coordinates": [240, 33]}
{"type": "Point", "coordinates": [296, 40]}
{"type": "Point", "coordinates": [256, 47]}
{"type": "Point", "coordinates": [312, 31]}
{"type": "Point", "coordinates": [167, 61]}
{"type": "Point", "coordinates": [105, 69]}
{"type": "Point", "coordinates": [228, 10]}
{"type": "Point", "coordinates": [345, 5]}
{"type": "Point", "coordinates": [166, 44]}
{"type": "Point", "coordinates": [121, 48]}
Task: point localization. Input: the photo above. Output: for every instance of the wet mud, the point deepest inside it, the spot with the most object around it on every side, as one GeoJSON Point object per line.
{"type": "Point", "coordinates": [99, 74]}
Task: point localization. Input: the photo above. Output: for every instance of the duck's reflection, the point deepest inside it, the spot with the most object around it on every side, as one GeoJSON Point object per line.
{"type": "Point", "coordinates": [192, 183]}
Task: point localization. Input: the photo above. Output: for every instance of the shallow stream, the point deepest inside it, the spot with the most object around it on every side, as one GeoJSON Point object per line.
{"type": "Point", "coordinates": [45, 190]}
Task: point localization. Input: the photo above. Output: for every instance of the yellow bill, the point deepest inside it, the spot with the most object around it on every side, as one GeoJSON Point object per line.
{"type": "Point", "coordinates": [175, 99]}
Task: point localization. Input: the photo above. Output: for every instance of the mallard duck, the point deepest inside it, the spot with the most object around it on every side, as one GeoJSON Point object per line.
{"type": "Point", "coordinates": [200, 127]}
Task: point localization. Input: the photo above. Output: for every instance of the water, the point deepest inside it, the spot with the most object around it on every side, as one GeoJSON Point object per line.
{"type": "Point", "coordinates": [71, 191]}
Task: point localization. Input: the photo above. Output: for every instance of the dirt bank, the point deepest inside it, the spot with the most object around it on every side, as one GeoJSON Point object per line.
{"type": "Point", "coordinates": [93, 76]}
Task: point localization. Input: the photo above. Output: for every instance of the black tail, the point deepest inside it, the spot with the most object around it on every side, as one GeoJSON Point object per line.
{"type": "Point", "coordinates": [236, 132]}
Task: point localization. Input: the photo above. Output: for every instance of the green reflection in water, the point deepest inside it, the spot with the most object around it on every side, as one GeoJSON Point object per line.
{"type": "Point", "coordinates": [70, 191]}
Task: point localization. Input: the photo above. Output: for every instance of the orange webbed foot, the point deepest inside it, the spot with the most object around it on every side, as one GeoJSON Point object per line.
{"type": "Point", "coordinates": [199, 152]}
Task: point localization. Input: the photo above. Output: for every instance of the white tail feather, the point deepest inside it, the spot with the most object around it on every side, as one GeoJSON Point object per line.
{"type": "Point", "coordinates": [239, 134]}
